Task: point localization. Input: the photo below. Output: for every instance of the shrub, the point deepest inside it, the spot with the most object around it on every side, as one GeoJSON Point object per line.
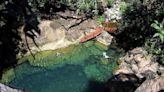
{"type": "Point", "coordinates": [135, 24]}
{"type": "Point", "coordinates": [160, 30]}
{"type": "Point", "coordinates": [48, 8]}
{"type": "Point", "coordinates": [155, 45]}
{"type": "Point", "coordinates": [123, 7]}
{"type": "Point", "coordinates": [101, 18]}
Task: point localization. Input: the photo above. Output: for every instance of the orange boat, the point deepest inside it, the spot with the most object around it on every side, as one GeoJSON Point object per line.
{"type": "Point", "coordinates": [91, 35]}
{"type": "Point", "coordinates": [108, 26]}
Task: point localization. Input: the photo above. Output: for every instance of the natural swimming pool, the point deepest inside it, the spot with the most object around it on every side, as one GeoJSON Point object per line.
{"type": "Point", "coordinates": [82, 69]}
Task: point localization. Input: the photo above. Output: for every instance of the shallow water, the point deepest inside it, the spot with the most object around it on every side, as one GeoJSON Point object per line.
{"type": "Point", "coordinates": [70, 76]}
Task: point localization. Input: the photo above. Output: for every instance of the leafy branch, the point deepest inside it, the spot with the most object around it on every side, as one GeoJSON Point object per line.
{"type": "Point", "coordinates": [160, 30]}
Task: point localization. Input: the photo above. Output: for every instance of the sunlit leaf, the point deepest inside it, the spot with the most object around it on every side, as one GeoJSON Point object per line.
{"type": "Point", "coordinates": [155, 26]}
{"type": "Point", "coordinates": [161, 37]}
{"type": "Point", "coordinates": [162, 32]}
{"type": "Point", "coordinates": [156, 35]}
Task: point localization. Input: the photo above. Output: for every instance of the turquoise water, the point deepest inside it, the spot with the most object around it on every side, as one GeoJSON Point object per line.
{"type": "Point", "coordinates": [86, 76]}
{"type": "Point", "coordinates": [69, 78]}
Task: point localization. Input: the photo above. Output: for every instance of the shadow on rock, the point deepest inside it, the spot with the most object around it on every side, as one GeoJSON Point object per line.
{"type": "Point", "coordinates": [122, 83]}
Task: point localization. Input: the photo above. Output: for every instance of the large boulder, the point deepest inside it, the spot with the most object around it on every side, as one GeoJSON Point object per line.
{"type": "Point", "coordinates": [144, 66]}
{"type": "Point", "coordinates": [57, 33]}
{"type": "Point", "coordinates": [153, 85]}
{"type": "Point", "coordinates": [105, 38]}
{"type": "Point", "coordinates": [140, 63]}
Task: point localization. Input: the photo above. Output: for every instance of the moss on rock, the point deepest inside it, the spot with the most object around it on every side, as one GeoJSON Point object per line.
{"type": "Point", "coordinates": [7, 76]}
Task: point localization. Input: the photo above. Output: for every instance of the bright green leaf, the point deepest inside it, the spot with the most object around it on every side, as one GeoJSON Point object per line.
{"type": "Point", "coordinates": [161, 37]}
{"type": "Point", "coordinates": [155, 26]}
{"type": "Point", "coordinates": [156, 35]}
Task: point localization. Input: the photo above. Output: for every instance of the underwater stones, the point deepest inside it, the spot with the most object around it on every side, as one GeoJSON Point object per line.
{"type": "Point", "coordinates": [92, 72]}
{"type": "Point", "coordinates": [4, 88]}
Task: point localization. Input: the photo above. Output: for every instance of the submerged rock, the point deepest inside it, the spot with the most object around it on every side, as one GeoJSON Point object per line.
{"type": "Point", "coordinates": [4, 88]}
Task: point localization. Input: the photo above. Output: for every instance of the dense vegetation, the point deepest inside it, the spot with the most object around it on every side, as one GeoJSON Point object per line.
{"type": "Point", "coordinates": [138, 27]}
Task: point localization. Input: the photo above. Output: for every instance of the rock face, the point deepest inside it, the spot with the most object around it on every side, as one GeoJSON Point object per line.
{"type": "Point", "coordinates": [4, 88]}
{"type": "Point", "coordinates": [143, 65]}
{"type": "Point", "coordinates": [113, 14]}
{"type": "Point", "coordinates": [105, 38]}
{"type": "Point", "coordinates": [55, 34]}
{"type": "Point", "coordinates": [153, 85]}
{"type": "Point", "coordinates": [137, 61]}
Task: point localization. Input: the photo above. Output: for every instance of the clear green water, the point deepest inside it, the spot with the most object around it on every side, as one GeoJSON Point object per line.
{"type": "Point", "coordinates": [83, 69]}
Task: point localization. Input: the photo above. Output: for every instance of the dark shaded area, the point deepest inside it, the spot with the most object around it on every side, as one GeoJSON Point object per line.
{"type": "Point", "coordinates": [117, 83]}
{"type": "Point", "coordinates": [161, 91]}
{"type": "Point", "coordinates": [122, 83]}
{"type": "Point", "coordinates": [95, 86]}
{"type": "Point", "coordinates": [14, 14]}
{"type": "Point", "coordinates": [135, 24]}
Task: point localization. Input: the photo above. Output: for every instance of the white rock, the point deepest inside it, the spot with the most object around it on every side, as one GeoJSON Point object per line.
{"type": "Point", "coordinates": [4, 88]}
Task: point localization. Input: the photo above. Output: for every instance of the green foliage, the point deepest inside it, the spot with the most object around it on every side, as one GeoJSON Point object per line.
{"type": "Point", "coordinates": [151, 46]}
{"type": "Point", "coordinates": [110, 2]}
{"type": "Point", "coordinates": [87, 6]}
{"type": "Point", "coordinates": [135, 24]}
{"type": "Point", "coordinates": [156, 48]}
{"type": "Point", "coordinates": [160, 30]}
{"type": "Point", "coordinates": [155, 44]}
{"type": "Point", "coordinates": [101, 18]}
{"type": "Point", "coordinates": [123, 7]}
{"type": "Point", "coordinates": [83, 6]}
